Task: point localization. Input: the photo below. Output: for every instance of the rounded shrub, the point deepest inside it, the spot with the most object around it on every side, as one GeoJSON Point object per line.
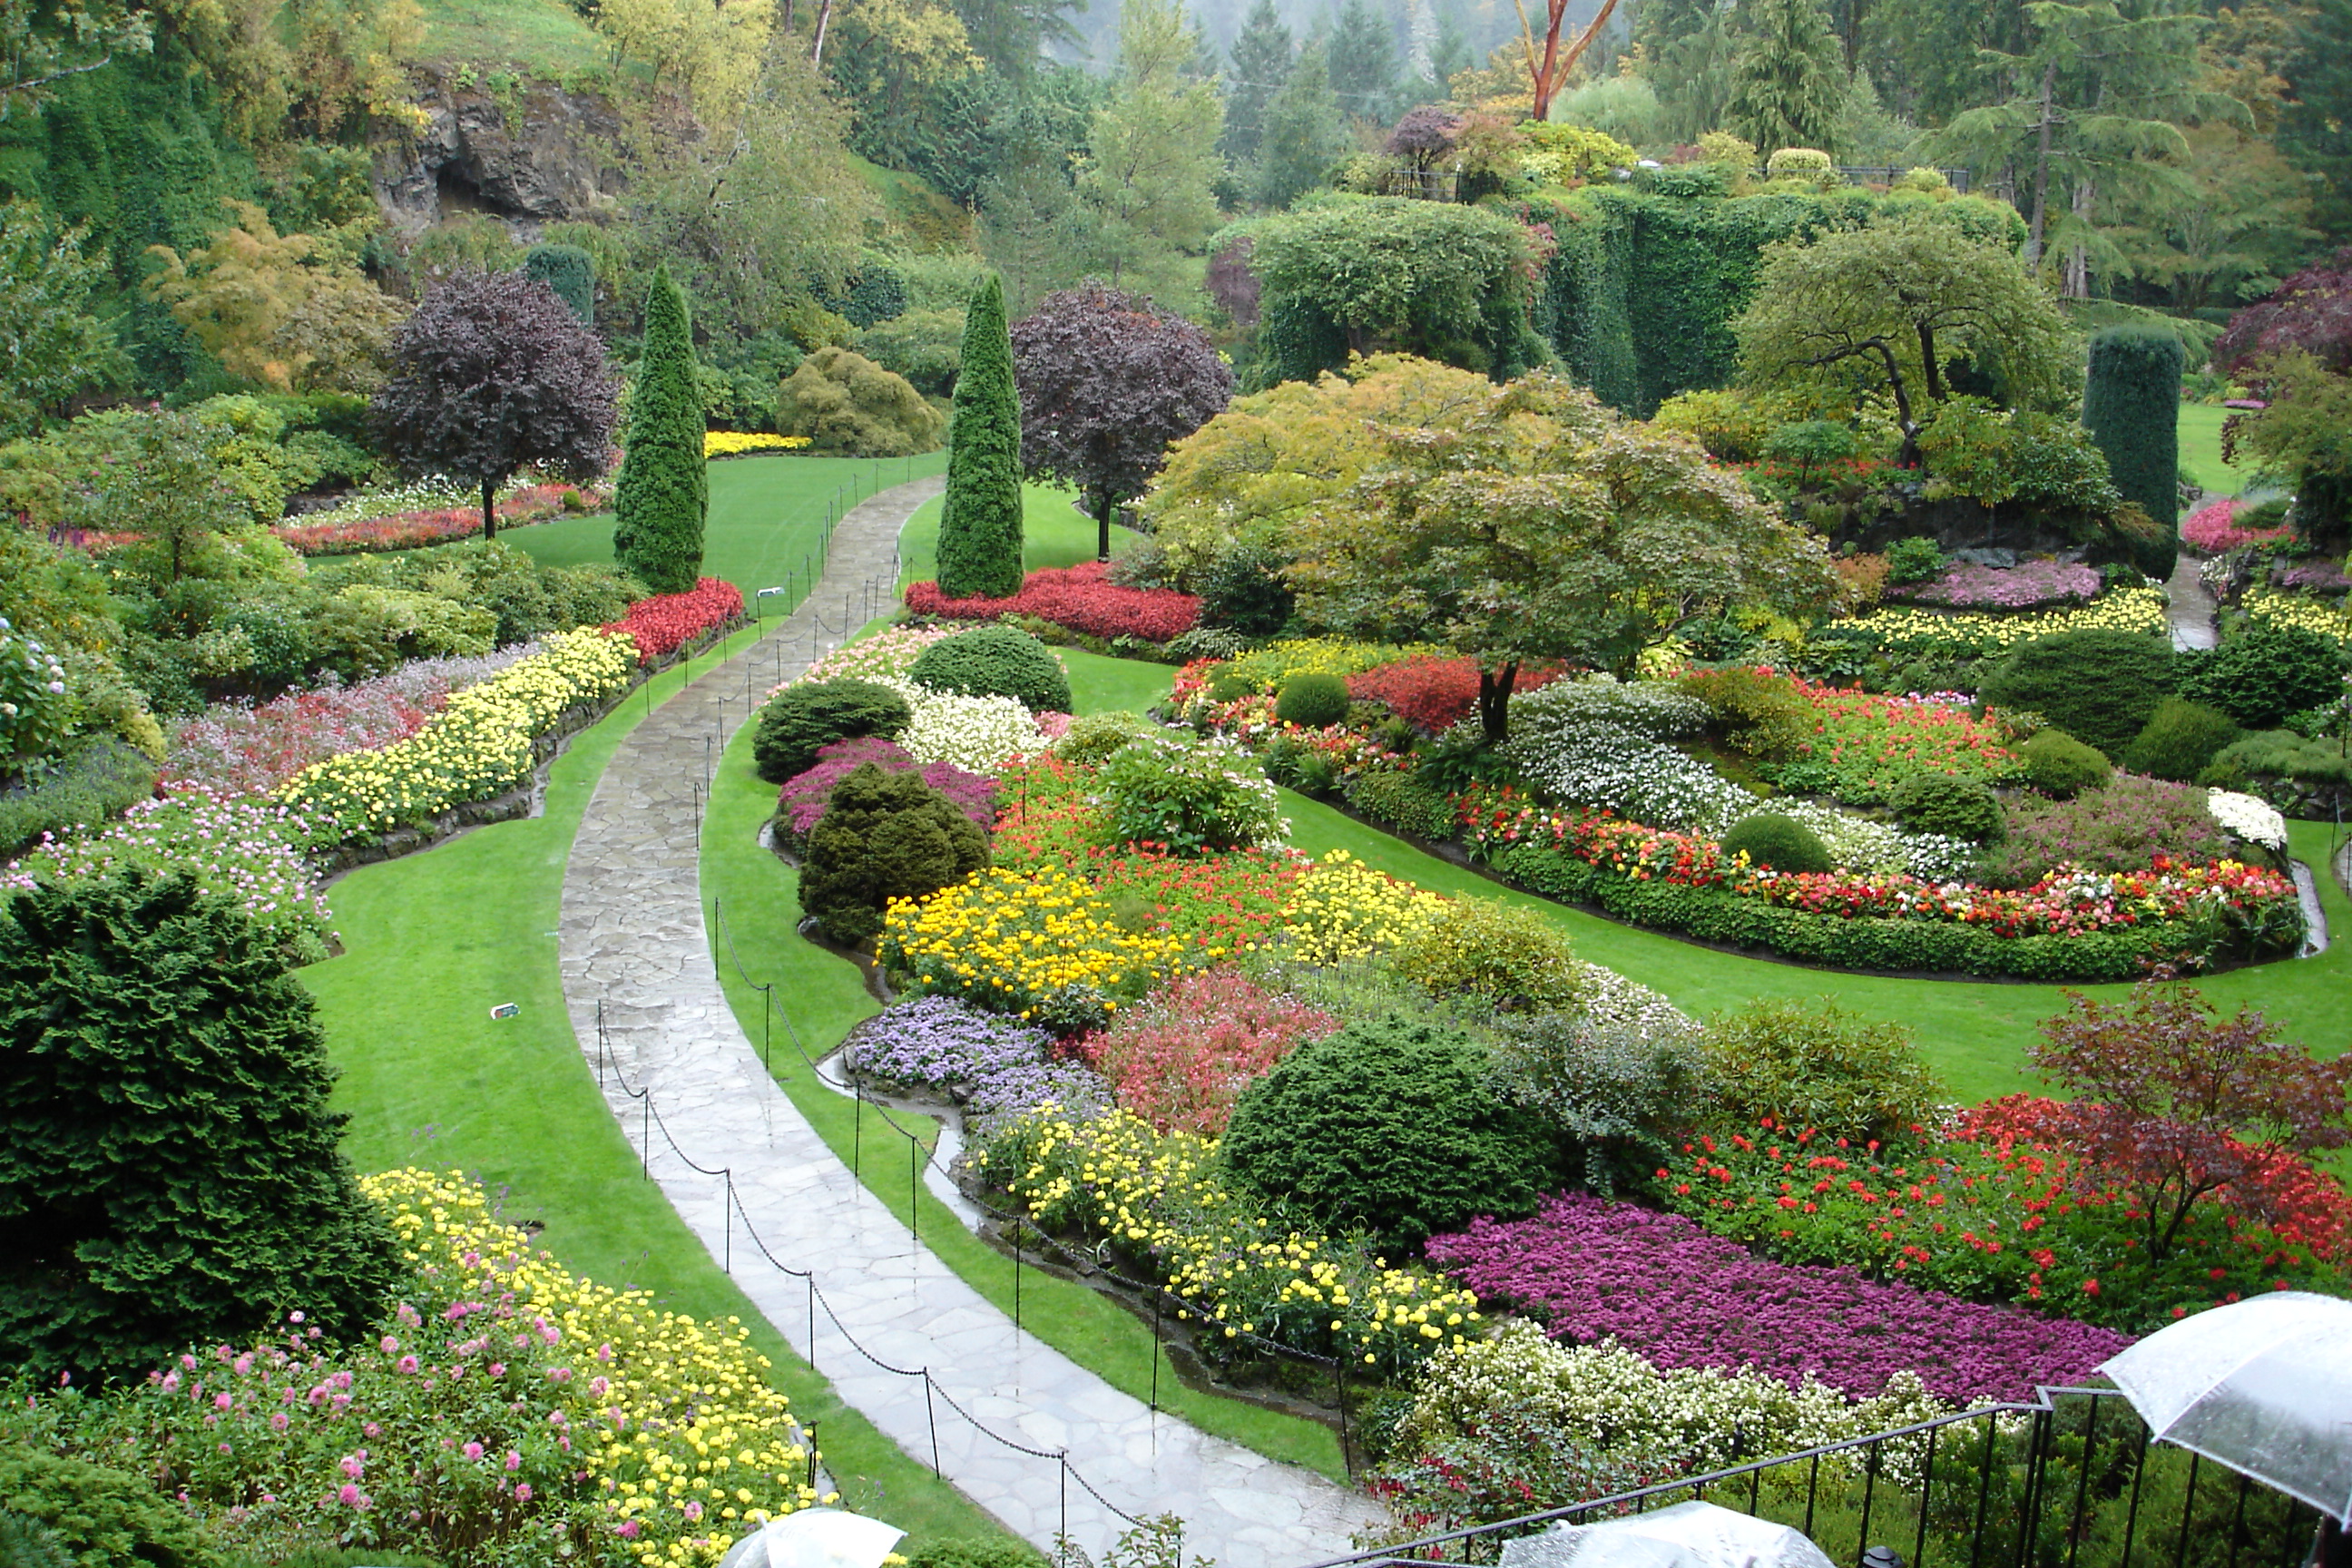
{"type": "Point", "coordinates": [2261, 676]}
{"type": "Point", "coordinates": [1190, 796]}
{"type": "Point", "coordinates": [2100, 687]}
{"type": "Point", "coordinates": [97, 1516]}
{"type": "Point", "coordinates": [1312, 701]}
{"type": "Point", "coordinates": [1941, 802]}
{"type": "Point", "coordinates": [1506, 956]}
{"type": "Point", "coordinates": [2179, 739]}
{"type": "Point", "coordinates": [995, 661]}
{"type": "Point", "coordinates": [1244, 591]}
{"type": "Point", "coordinates": [1404, 801]}
{"type": "Point", "coordinates": [1777, 843]}
{"type": "Point", "coordinates": [1230, 685]}
{"type": "Point", "coordinates": [1092, 738]}
{"type": "Point", "coordinates": [884, 836]}
{"type": "Point", "coordinates": [799, 719]}
{"type": "Point", "coordinates": [1818, 1066]}
{"type": "Point", "coordinates": [2057, 764]}
{"type": "Point", "coordinates": [1392, 1125]}
{"type": "Point", "coordinates": [1914, 560]}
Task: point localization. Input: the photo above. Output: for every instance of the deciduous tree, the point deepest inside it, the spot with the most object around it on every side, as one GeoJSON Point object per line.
{"type": "Point", "coordinates": [1107, 380]}
{"type": "Point", "coordinates": [2295, 349]}
{"type": "Point", "coordinates": [53, 346]}
{"type": "Point", "coordinates": [274, 310]}
{"type": "Point", "coordinates": [494, 374]}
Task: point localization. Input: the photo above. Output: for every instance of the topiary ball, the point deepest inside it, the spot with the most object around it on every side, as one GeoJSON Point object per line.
{"type": "Point", "coordinates": [1312, 701]}
{"type": "Point", "coordinates": [995, 661]}
{"type": "Point", "coordinates": [1955, 807]}
{"type": "Point", "coordinates": [799, 719]}
{"type": "Point", "coordinates": [2179, 739]}
{"type": "Point", "coordinates": [1776, 843]}
{"type": "Point", "coordinates": [2057, 764]}
{"type": "Point", "coordinates": [884, 835]}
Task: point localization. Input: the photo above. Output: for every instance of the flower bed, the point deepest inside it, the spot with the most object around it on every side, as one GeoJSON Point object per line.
{"type": "Point", "coordinates": [803, 800]}
{"type": "Point", "coordinates": [667, 622]}
{"type": "Point", "coordinates": [1913, 633]}
{"type": "Point", "coordinates": [1660, 1285]}
{"type": "Point", "coordinates": [332, 533]}
{"type": "Point", "coordinates": [1433, 694]}
{"type": "Point", "coordinates": [1078, 597]}
{"type": "Point", "coordinates": [508, 1412]}
{"type": "Point", "coordinates": [888, 655]}
{"type": "Point", "coordinates": [2212, 529]}
{"type": "Point", "coordinates": [2268, 607]}
{"type": "Point", "coordinates": [748, 443]}
{"type": "Point", "coordinates": [985, 1062]}
{"type": "Point", "coordinates": [2033, 587]}
{"type": "Point", "coordinates": [1867, 742]}
{"type": "Point", "coordinates": [480, 744]}
{"type": "Point", "coordinates": [1182, 1057]}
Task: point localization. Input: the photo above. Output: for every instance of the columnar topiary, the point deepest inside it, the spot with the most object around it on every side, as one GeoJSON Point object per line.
{"type": "Point", "coordinates": [980, 522]}
{"type": "Point", "coordinates": [884, 835]}
{"type": "Point", "coordinates": [995, 661]}
{"type": "Point", "coordinates": [169, 1172]}
{"type": "Point", "coordinates": [571, 272]}
{"type": "Point", "coordinates": [2131, 405]}
{"type": "Point", "coordinates": [664, 492]}
{"type": "Point", "coordinates": [801, 719]}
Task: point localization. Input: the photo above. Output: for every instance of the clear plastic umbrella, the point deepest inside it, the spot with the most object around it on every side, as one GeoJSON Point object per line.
{"type": "Point", "coordinates": [2264, 1386]}
{"type": "Point", "coordinates": [1687, 1535]}
{"type": "Point", "coordinates": [816, 1538]}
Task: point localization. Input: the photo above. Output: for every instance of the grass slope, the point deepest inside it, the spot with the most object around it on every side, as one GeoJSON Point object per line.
{"type": "Point", "coordinates": [1052, 534]}
{"type": "Point", "coordinates": [2200, 451]}
{"type": "Point", "coordinates": [432, 941]}
{"type": "Point", "coordinates": [767, 517]}
{"type": "Point", "coordinates": [546, 38]}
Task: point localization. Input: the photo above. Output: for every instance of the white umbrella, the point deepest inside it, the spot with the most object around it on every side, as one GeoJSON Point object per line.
{"type": "Point", "coordinates": [1687, 1535]}
{"type": "Point", "coordinates": [2263, 1386]}
{"type": "Point", "coordinates": [816, 1538]}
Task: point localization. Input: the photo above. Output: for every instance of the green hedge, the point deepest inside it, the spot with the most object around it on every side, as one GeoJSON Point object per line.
{"type": "Point", "coordinates": [1840, 941]}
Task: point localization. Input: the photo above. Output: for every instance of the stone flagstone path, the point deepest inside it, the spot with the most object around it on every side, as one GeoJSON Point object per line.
{"type": "Point", "coordinates": [633, 940]}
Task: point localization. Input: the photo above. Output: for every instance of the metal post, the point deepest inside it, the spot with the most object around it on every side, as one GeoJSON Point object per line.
{"type": "Point", "coordinates": [726, 1245]}
{"type": "Point", "coordinates": [931, 1415]}
{"type": "Point", "coordinates": [811, 1277]}
{"type": "Point", "coordinates": [767, 1011]}
{"type": "Point", "coordinates": [1016, 1274]}
{"type": "Point", "coordinates": [812, 1437]}
{"type": "Point", "coordinates": [646, 1138]}
{"type": "Point", "coordinates": [914, 1186]}
{"type": "Point", "coordinates": [856, 1126]}
{"type": "Point", "coordinates": [1157, 1296]}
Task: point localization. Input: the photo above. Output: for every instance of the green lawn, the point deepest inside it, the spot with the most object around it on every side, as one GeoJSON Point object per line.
{"type": "Point", "coordinates": [546, 38]}
{"type": "Point", "coordinates": [1052, 534]}
{"type": "Point", "coordinates": [766, 527]}
{"type": "Point", "coordinates": [2200, 451]}
{"type": "Point", "coordinates": [432, 942]}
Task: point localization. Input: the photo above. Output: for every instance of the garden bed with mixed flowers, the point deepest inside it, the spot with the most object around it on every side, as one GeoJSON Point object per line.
{"type": "Point", "coordinates": [427, 512]}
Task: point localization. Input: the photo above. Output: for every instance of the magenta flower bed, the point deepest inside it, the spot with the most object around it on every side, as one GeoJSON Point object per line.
{"type": "Point", "coordinates": [1077, 597]}
{"type": "Point", "coordinates": [2213, 528]}
{"type": "Point", "coordinates": [1660, 1285]}
{"type": "Point", "coordinates": [2026, 588]}
{"type": "Point", "coordinates": [804, 797]}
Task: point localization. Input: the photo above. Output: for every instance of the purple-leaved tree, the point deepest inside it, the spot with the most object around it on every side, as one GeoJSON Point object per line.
{"type": "Point", "coordinates": [1107, 380]}
{"type": "Point", "coordinates": [494, 374]}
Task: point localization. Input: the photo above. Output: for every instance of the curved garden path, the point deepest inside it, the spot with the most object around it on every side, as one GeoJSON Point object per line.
{"type": "Point", "coordinates": [632, 942]}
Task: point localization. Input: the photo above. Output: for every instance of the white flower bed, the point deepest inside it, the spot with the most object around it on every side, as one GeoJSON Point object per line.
{"type": "Point", "coordinates": [978, 734]}
{"type": "Point", "coordinates": [2246, 817]}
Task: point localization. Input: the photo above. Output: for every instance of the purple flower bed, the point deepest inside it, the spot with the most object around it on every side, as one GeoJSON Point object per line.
{"type": "Point", "coordinates": [1680, 1297]}
{"type": "Point", "coordinates": [992, 1063]}
{"type": "Point", "coordinates": [2026, 588]}
{"type": "Point", "coordinates": [804, 797]}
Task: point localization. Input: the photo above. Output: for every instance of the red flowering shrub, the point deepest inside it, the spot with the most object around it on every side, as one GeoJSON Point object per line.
{"type": "Point", "coordinates": [663, 623]}
{"type": "Point", "coordinates": [1435, 694]}
{"type": "Point", "coordinates": [1181, 1058]}
{"type": "Point", "coordinates": [1074, 596]}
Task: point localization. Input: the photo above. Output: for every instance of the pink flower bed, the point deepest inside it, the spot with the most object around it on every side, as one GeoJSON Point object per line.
{"type": "Point", "coordinates": [804, 797]}
{"type": "Point", "coordinates": [2027, 587]}
{"type": "Point", "coordinates": [665, 623]}
{"type": "Point", "coordinates": [2212, 529]}
{"type": "Point", "coordinates": [1074, 596]}
{"type": "Point", "coordinates": [1182, 1057]}
{"type": "Point", "coordinates": [411, 530]}
{"type": "Point", "coordinates": [1661, 1285]}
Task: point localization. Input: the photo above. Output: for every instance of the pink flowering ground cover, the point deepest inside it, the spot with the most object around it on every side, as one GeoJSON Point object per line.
{"type": "Point", "coordinates": [1659, 1285]}
{"type": "Point", "coordinates": [431, 525]}
{"type": "Point", "coordinates": [803, 801]}
{"type": "Point", "coordinates": [2031, 587]}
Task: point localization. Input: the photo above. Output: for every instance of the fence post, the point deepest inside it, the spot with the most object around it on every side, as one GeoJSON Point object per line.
{"type": "Point", "coordinates": [1157, 1297]}
{"type": "Point", "coordinates": [932, 1416]}
{"type": "Point", "coordinates": [1346, 1454]}
{"type": "Point", "coordinates": [1016, 1274]}
{"type": "Point", "coordinates": [646, 1138]}
{"type": "Point", "coordinates": [727, 1220]}
{"type": "Point", "coordinates": [914, 1186]}
{"type": "Point", "coordinates": [810, 1276]}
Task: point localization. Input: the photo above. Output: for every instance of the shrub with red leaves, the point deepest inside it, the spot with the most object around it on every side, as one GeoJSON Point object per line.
{"type": "Point", "coordinates": [665, 623]}
{"type": "Point", "coordinates": [1181, 1058]}
{"type": "Point", "coordinates": [1074, 596]}
{"type": "Point", "coordinates": [1435, 694]}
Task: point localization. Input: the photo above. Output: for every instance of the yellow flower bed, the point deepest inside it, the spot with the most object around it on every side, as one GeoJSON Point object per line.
{"type": "Point", "coordinates": [1344, 909]}
{"type": "Point", "coordinates": [2268, 607]}
{"type": "Point", "coordinates": [735, 443]}
{"type": "Point", "coordinates": [1016, 941]}
{"type": "Point", "coordinates": [679, 1427]}
{"type": "Point", "coordinates": [1269, 666]}
{"type": "Point", "coordinates": [1909, 630]}
{"type": "Point", "coordinates": [475, 747]}
{"type": "Point", "coordinates": [1157, 1194]}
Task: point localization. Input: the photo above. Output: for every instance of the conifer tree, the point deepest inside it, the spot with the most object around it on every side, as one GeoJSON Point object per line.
{"type": "Point", "coordinates": [980, 525]}
{"type": "Point", "coordinates": [1790, 80]}
{"type": "Point", "coordinates": [2131, 405]}
{"type": "Point", "coordinates": [571, 272]}
{"type": "Point", "coordinates": [664, 492]}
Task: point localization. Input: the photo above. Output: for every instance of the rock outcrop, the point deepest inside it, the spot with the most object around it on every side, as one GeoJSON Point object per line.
{"type": "Point", "coordinates": [531, 154]}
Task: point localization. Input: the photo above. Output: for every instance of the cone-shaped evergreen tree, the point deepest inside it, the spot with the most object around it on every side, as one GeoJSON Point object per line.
{"type": "Point", "coordinates": [663, 491]}
{"type": "Point", "coordinates": [980, 525]}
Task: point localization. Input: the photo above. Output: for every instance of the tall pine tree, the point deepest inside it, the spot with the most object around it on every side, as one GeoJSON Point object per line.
{"type": "Point", "coordinates": [979, 524]}
{"type": "Point", "coordinates": [663, 491]}
{"type": "Point", "coordinates": [1790, 81]}
{"type": "Point", "coordinates": [1262, 59]}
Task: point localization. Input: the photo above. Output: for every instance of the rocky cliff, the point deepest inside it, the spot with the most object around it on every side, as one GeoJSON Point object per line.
{"type": "Point", "coordinates": [529, 154]}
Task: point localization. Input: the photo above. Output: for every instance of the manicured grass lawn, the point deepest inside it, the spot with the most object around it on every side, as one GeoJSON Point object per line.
{"type": "Point", "coordinates": [766, 526]}
{"type": "Point", "coordinates": [432, 942]}
{"type": "Point", "coordinates": [823, 995]}
{"type": "Point", "coordinates": [2200, 451]}
{"type": "Point", "coordinates": [1052, 534]}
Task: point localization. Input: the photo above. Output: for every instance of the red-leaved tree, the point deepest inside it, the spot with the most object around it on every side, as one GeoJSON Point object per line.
{"type": "Point", "coordinates": [2176, 1104]}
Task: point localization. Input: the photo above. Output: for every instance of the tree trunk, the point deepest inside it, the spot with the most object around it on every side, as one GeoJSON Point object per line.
{"type": "Point", "coordinates": [1495, 700]}
{"type": "Point", "coordinates": [824, 14]}
{"type": "Point", "coordinates": [1547, 75]}
{"type": "Point", "coordinates": [490, 510]}
{"type": "Point", "coordinates": [2078, 263]}
{"type": "Point", "coordinates": [1103, 509]}
{"type": "Point", "coordinates": [2040, 172]}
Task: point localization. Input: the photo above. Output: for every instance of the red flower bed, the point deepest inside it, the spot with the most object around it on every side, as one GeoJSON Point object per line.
{"type": "Point", "coordinates": [1435, 694]}
{"type": "Point", "coordinates": [663, 623]}
{"type": "Point", "coordinates": [1181, 1058]}
{"type": "Point", "coordinates": [1073, 596]}
{"type": "Point", "coordinates": [413, 530]}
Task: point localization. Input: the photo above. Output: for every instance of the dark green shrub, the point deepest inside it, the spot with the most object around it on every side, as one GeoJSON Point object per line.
{"type": "Point", "coordinates": [1406, 802]}
{"type": "Point", "coordinates": [1914, 560]}
{"type": "Point", "coordinates": [1940, 803]}
{"type": "Point", "coordinates": [884, 836]}
{"type": "Point", "coordinates": [1390, 1125]}
{"type": "Point", "coordinates": [96, 777]}
{"type": "Point", "coordinates": [27, 1543]}
{"type": "Point", "coordinates": [973, 1554]}
{"type": "Point", "coordinates": [2131, 405]}
{"type": "Point", "coordinates": [1243, 590]}
{"type": "Point", "coordinates": [99, 1517]}
{"type": "Point", "coordinates": [1230, 685]}
{"type": "Point", "coordinates": [662, 494]}
{"type": "Point", "coordinates": [2057, 764]}
{"type": "Point", "coordinates": [2266, 673]}
{"type": "Point", "coordinates": [1312, 701]}
{"type": "Point", "coordinates": [800, 718]}
{"type": "Point", "coordinates": [571, 272]}
{"type": "Point", "coordinates": [2180, 738]}
{"type": "Point", "coordinates": [1777, 843]}
{"type": "Point", "coordinates": [2098, 686]}
{"type": "Point", "coordinates": [2281, 754]}
{"type": "Point", "coordinates": [995, 661]}
{"type": "Point", "coordinates": [980, 521]}
{"type": "Point", "coordinates": [169, 1168]}
{"type": "Point", "coordinates": [1819, 1066]}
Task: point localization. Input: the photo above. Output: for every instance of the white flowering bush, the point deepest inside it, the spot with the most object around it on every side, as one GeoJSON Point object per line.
{"type": "Point", "coordinates": [1607, 997]}
{"type": "Point", "coordinates": [2247, 818]}
{"type": "Point", "coordinates": [1653, 710]}
{"type": "Point", "coordinates": [978, 734]}
{"type": "Point", "coordinates": [1191, 797]}
{"type": "Point", "coordinates": [34, 711]}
